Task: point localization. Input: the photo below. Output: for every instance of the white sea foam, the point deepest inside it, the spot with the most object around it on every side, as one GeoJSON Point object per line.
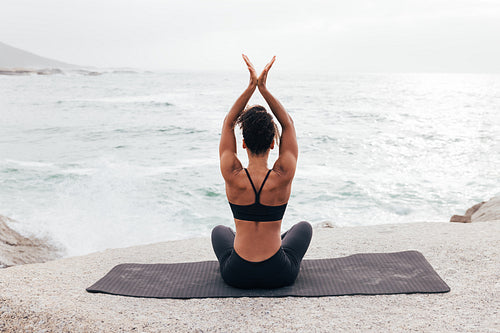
{"type": "Point", "coordinates": [78, 171]}
{"type": "Point", "coordinates": [29, 164]}
{"type": "Point", "coordinates": [160, 99]}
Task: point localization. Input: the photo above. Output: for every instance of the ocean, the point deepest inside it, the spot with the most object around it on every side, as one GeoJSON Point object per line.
{"type": "Point", "coordinates": [127, 158]}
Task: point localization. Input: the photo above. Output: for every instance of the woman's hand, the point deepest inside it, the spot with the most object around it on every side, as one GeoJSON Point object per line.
{"type": "Point", "coordinates": [261, 80]}
{"type": "Point", "coordinates": [253, 73]}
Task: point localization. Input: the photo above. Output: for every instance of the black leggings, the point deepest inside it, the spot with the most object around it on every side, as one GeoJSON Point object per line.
{"type": "Point", "coordinates": [278, 271]}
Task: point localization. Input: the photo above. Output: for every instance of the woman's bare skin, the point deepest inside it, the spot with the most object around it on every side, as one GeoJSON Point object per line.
{"type": "Point", "coordinates": [257, 241]}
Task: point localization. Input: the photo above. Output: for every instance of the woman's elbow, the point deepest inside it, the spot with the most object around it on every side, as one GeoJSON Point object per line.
{"type": "Point", "coordinates": [288, 123]}
{"type": "Point", "coordinates": [227, 123]}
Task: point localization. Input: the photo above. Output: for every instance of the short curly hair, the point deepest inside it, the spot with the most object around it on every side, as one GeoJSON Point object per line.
{"type": "Point", "coordinates": [258, 129]}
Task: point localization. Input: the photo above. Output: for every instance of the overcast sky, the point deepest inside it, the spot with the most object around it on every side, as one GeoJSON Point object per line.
{"type": "Point", "coordinates": [330, 35]}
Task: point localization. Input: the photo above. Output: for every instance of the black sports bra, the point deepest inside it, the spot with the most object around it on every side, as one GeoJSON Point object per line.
{"type": "Point", "coordinates": [258, 212]}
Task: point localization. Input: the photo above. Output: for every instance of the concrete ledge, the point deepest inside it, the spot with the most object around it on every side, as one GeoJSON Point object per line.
{"type": "Point", "coordinates": [52, 296]}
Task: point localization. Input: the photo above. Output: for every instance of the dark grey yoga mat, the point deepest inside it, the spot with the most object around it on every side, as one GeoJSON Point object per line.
{"type": "Point", "coordinates": [360, 274]}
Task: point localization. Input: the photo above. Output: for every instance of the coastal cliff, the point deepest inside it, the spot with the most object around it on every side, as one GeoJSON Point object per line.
{"type": "Point", "coordinates": [12, 57]}
{"type": "Point", "coordinates": [14, 61]}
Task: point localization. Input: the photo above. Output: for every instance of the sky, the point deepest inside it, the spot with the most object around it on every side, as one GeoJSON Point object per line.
{"type": "Point", "coordinates": [307, 35]}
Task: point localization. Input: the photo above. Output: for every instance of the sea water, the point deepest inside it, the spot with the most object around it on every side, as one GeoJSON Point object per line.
{"type": "Point", "coordinates": [125, 158]}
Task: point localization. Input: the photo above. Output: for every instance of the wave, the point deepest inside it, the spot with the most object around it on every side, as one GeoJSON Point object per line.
{"type": "Point", "coordinates": [29, 164]}
{"type": "Point", "coordinates": [153, 100]}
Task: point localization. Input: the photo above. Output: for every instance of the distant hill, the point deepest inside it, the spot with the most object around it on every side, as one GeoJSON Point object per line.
{"type": "Point", "coordinates": [11, 57]}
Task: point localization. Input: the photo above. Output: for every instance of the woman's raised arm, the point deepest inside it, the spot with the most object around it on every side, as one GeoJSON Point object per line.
{"type": "Point", "coordinates": [288, 150]}
{"type": "Point", "coordinates": [229, 162]}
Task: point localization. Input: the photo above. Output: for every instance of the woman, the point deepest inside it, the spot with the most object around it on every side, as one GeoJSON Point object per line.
{"type": "Point", "coordinates": [257, 256]}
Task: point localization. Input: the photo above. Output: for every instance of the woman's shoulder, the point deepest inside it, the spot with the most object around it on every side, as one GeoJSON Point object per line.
{"type": "Point", "coordinates": [283, 174]}
{"type": "Point", "coordinates": [238, 179]}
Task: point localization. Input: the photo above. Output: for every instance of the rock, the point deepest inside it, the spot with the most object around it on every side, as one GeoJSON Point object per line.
{"type": "Point", "coordinates": [489, 211]}
{"type": "Point", "coordinates": [16, 249]}
{"type": "Point", "coordinates": [324, 224]}
{"type": "Point", "coordinates": [468, 214]}
{"type": "Point", "coordinates": [49, 71]}
{"type": "Point", "coordinates": [483, 211]}
{"type": "Point", "coordinates": [461, 218]}
{"type": "Point", "coordinates": [28, 71]}
{"type": "Point", "coordinates": [474, 209]}
{"type": "Point", "coordinates": [16, 71]}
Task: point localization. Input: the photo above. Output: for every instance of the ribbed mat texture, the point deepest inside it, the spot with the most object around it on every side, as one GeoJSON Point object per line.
{"type": "Point", "coordinates": [366, 274]}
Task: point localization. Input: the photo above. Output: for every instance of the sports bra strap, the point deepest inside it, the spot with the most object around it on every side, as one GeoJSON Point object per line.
{"type": "Point", "coordinates": [251, 182]}
{"type": "Point", "coordinates": [263, 182]}
{"type": "Point", "coordinates": [257, 194]}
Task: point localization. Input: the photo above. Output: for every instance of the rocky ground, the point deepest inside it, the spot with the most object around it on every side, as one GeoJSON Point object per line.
{"type": "Point", "coordinates": [52, 297]}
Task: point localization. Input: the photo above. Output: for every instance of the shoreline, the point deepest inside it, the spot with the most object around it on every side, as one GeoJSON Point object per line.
{"type": "Point", "coordinates": [52, 295]}
{"type": "Point", "coordinates": [56, 252]}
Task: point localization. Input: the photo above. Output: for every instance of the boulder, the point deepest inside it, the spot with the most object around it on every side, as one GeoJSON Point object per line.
{"type": "Point", "coordinates": [483, 211]}
{"type": "Point", "coordinates": [468, 214]}
{"type": "Point", "coordinates": [324, 224]}
{"type": "Point", "coordinates": [490, 211]}
{"type": "Point", "coordinates": [461, 218]}
{"type": "Point", "coordinates": [49, 71]}
{"type": "Point", "coordinates": [16, 249]}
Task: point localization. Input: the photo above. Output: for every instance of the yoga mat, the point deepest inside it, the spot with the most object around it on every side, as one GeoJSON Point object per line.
{"type": "Point", "coordinates": [359, 274]}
